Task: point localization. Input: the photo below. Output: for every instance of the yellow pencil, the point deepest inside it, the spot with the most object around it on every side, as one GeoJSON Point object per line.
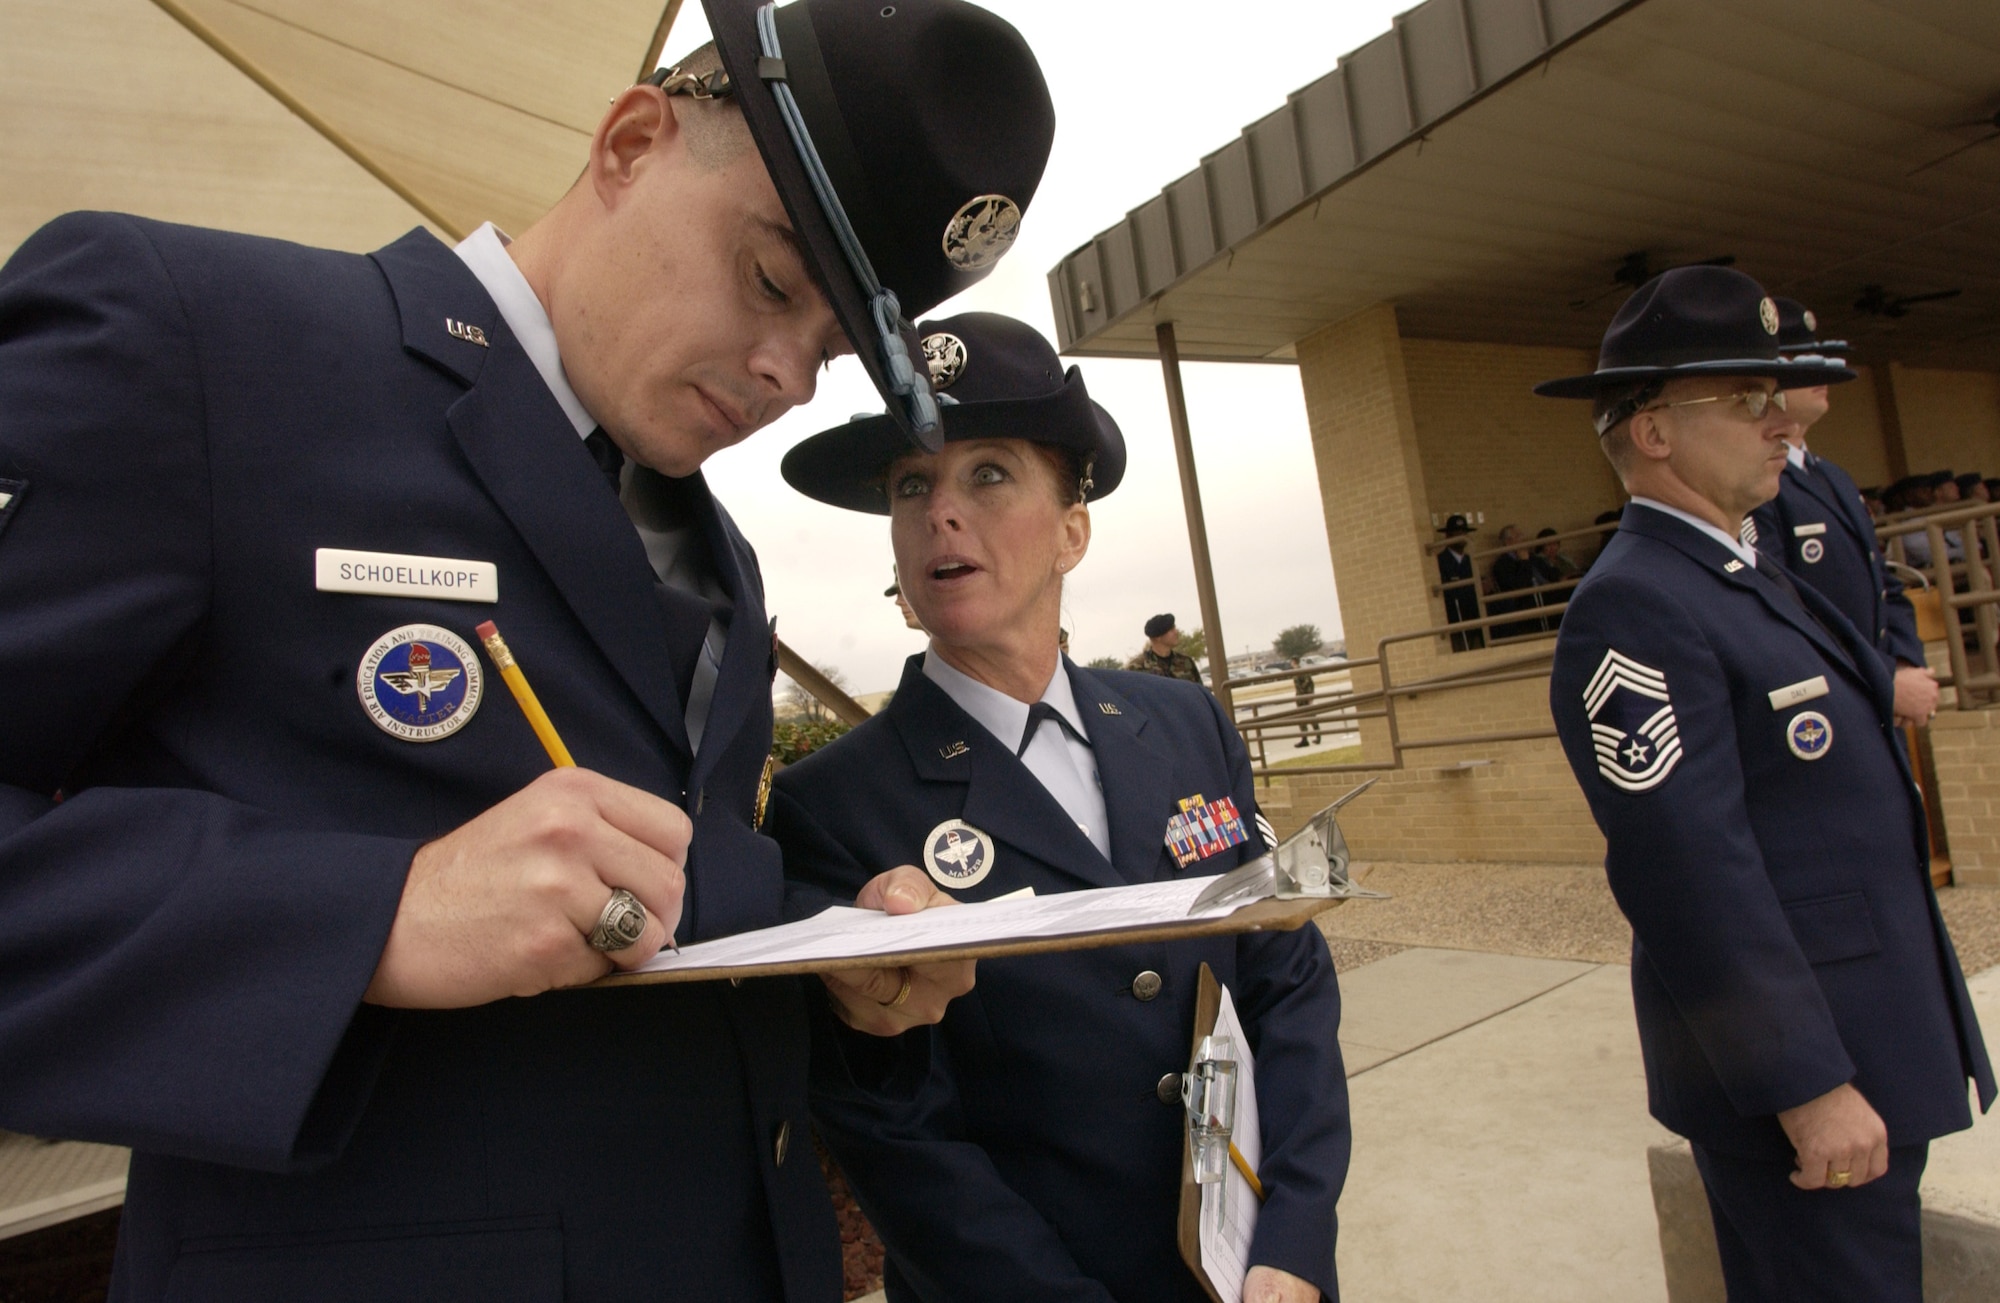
{"type": "Point", "coordinates": [1243, 1166]}
{"type": "Point", "coordinates": [538, 719]}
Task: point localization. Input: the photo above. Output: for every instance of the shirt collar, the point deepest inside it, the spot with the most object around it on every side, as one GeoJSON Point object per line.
{"type": "Point", "coordinates": [1001, 715]}
{"type": "Point", "coordinates": [485, 253]}
{"type": "Point", "coordinates": [1795, 453]}
{"type": "Point", "coordinates": [1747, 553]}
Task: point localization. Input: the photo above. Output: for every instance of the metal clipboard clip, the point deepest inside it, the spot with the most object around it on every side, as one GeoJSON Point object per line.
{"type": "Point", "coordinates": [1312, 862]}
{"type": "Point", "coordinates": [1208, 1091]}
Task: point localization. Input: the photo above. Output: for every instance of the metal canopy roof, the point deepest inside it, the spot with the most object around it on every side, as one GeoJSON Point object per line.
{"type": "Point", "coordinates": [1488, 165]}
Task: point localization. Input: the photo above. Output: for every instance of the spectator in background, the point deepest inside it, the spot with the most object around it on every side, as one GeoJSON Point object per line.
{"type": "Point", "coordinates": [1161, 656]}
{"type": "Point", "coordinates": [895, 590]}
{"type": "Point", "coordinates": [1992, 491]}
{"type": "Point", "coordinates": [1513, 571]}
{"type": "Point", "coordinates": [1552, 567]}
{"type": "Point", "coordinates": [1302, 684]}
{"type": "Point", "coordinates": [1972, 487]}
{"type": "Point", "coordinates": [1460, 584]}
{"type": "Point", "coordinates": [1872, 499]}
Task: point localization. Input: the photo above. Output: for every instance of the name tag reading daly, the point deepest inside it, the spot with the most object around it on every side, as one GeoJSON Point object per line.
{"type": "Point", "coordinates": [389, 574]}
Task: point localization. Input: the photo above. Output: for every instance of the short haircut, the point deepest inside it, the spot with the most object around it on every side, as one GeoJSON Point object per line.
{"type": "Point", "coordinates": [717, 134]}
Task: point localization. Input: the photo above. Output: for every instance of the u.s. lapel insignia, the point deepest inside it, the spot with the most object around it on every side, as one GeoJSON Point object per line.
{"type": "Point", "coordinates": [980, 233]}
{"type": "Point", "coordinates": [460, 330]}
{"type": "Point", "coordinates": [419, 683]}
{"type": "Point", "coordinates": [1812, 550]}
{"type": "Point", "coordinates": [1809, 735]}
{"type": "Point", "coordinates": [956, 854]}
{"type": "Point", "coordinates": [1632, 723]}
{"type": "Point", "coordinates": [763, 802]}
{"type": "Point", "coordinates": [1204, 828]}
{"type": "Point", "coordinates": [1107, 708]}
{"type": "Point", "coordinates": [953, 750]}
{"type": "Point", "coordinates": [1731, 567]}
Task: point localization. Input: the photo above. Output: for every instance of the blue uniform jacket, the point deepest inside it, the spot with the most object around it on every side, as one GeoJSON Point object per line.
{"type": "Point", "coordinates": [1845, 564]}
{"type": "Point", "coordinates": [1767, 843]}
{"type": "Point", "coordinates": [203, 837]}
{"type": "Point", "coordinates": [1025, 1153]}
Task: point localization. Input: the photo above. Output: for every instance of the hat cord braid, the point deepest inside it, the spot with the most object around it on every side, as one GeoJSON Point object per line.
{"type": "Point", "coordinates": [905, 380]}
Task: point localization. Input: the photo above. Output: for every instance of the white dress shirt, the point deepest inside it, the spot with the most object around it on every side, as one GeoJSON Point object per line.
{"type": "Point", "coordinates": [676, 552]}
{"type": "Point", "coordinates": [1736, 545]}
{"type": "Point", "coordinates": [1064, 766]}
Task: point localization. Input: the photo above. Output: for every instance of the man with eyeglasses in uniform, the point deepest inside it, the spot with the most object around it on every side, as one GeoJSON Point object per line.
{"type": "Point", "coordinates": [281, 908]}
{"type": "Point", "coordinates": [1820, 530]}
{"type": "Point", "coordinates": [1801, 1012]}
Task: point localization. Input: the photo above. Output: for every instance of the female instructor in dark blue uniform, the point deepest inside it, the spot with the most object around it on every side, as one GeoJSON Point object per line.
{"type": "Point", "coordinates": [1030, 1148]}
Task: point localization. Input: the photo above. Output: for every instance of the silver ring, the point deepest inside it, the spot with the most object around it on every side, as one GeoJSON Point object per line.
{"type": "Point", "coordinates": [623, 919]}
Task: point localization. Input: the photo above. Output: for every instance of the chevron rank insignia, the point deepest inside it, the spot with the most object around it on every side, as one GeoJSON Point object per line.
{"type": "Point", "coordinates": [1632, 723]}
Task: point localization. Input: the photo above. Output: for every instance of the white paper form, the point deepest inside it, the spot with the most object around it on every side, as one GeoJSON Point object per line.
{"type": "Point", "coordinates": [1225, 1248]}
{"type": "Point", "coordinates": [843, 932]}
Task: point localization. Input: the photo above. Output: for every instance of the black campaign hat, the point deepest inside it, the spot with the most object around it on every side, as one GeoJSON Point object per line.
{"type": "Point", "coordinates": [1157, 626]}
{"type": "Point", "coordinates": [1693, 321]}
{"type": "Point", "coordinates": [1455, 524]}
{"type": "Point", "coordinates": [1798, 332]}
{"type": "Point", "coordinates": [996, 378]}
{"type": "Point", "coordinates": [905, 138]}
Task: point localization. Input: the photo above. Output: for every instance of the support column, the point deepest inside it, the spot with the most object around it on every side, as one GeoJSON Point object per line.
{"type": "Point", "coordinates": [1204, 572]}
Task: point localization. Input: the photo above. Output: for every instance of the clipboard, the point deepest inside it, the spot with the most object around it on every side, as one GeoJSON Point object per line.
{"type": "Point", "coordinates": [1207, 1003]}
{"type": "Point", "coordinates": [1267, 915]}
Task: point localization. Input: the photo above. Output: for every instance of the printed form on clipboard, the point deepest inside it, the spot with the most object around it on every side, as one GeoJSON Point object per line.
{"type": "Point", "coordinates": [1224, 1145]}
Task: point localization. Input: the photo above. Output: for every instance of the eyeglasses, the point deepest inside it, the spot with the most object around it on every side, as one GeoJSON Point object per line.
{"type": "Point", "coordinates": [1755, 401]}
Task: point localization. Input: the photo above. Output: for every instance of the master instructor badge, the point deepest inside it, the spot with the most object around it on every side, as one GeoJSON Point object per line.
{"type": "Point", "coordinates": [956, 854]}
{"type": "Point", "coordinates": [419, 683]}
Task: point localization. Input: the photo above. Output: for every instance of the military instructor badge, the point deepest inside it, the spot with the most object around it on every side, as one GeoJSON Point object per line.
{"type": "Point", "coordinates": [1809, 735]}
{"type": "Point", "coordinates": [419, 683]}
{"type": "Point", "coordinates": [956, 854]}
{"type": "Point", "coordinates": [1632, 723]}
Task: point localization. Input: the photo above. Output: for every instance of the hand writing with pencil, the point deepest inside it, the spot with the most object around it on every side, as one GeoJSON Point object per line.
{"type": "Point", "coordinates": [887, 1001]}
{"type": "Point", "coordinates": [504, 905]}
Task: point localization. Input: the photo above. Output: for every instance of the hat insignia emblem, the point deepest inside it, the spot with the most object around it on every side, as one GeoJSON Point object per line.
{"type": "Point", "coordinates": [944, 356]}
{"type": "Point", "coordinates": [1812, 322]}
{"type": "Point", "coordinates": [981, 232]}
{"type": "Point", "coordinates": [1767, 313]}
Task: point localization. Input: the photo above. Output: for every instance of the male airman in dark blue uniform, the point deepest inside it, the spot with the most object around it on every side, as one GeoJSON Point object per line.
{"type": "Point", "coordinates": [1801, 1011]}
{"type": "Point", "coordinates": [274, 849]}
{"type": "Point", "coordinates": [1819, 529]}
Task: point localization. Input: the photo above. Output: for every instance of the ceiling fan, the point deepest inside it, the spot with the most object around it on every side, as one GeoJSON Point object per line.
{"type": "Point", "coordinates": [1991, 120]}
{"type": "Point", "coordinates": [1636, 268]}
{"type": "Point", "coordinates": [1877, 302]}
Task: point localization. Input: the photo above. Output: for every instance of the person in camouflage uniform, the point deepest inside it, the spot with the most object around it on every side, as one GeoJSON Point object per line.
{"type": "Point", "coordinates": [1159, 656]}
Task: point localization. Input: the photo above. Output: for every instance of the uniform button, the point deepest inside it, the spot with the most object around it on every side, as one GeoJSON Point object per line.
{"type": "Point", "coordinates": [784, 1145]}
{"type": "Point", "coordinates": [1146, 985]}
{"type": "Point", "coordinates": [1169, 1088]}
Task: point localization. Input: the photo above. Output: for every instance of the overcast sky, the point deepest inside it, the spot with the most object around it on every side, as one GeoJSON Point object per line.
{"type": "Point", "coordinates": [1142, 92]}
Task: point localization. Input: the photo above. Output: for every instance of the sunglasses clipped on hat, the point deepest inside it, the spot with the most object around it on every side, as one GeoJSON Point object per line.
{"type": "Point", "coordinates": [906, 139]}
{"type": "Point", "coordinates": [1691, 321]}
{"type": "Point", "coordinates": [996, 378]}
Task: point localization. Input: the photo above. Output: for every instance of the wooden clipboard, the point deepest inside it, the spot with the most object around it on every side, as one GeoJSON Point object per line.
{"type": "Point", "coordinates": [1268, 915]}
{"type": "Point", "coordinates": [1207, 1003]}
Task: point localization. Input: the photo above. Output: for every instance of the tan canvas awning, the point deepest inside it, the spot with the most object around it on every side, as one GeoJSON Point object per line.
{"type": "Point", "coordinates": [335, 123]}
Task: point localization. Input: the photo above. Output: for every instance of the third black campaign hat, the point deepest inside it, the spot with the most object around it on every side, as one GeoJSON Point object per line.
{"type": "Point", "coordinates": [1693, 321]}
{"type": "Point", "coordinates": [906, 138]}
{"type": "Point", "coordinates": [996, 378]}
{"type": "Point", "coordinates": [1798, 332]}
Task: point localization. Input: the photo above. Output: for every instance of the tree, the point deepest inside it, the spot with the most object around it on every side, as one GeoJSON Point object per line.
{"type": "Point", "coordinates": [1106, 663]}
{"type": "Point", "coordinates": [801, 704]}
{"type": "Point", "coordinates": [1194, 644]}
{"type": "Point", "coordinates": [1297, 641]}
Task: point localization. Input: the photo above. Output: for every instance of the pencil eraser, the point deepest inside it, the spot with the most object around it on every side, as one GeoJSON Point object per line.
{"type": "Point", "coordinates": [486, 630]}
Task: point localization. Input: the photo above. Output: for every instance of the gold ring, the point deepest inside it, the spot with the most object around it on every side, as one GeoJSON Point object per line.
{"type": "Point", "coordinates": [901, 995]}
{"type": "Point", "coordinates": [1838, 1180]}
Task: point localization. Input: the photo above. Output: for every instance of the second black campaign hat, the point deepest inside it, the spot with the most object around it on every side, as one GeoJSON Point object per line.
{"type": "Point", "coordinates": [1798, 332]}
{"type": "Point", "coordinates": [1693, 321]}
{"type": "Point", "coordinates": [996, 378]}
{"type": "Point", "coordinates": [906, 139]}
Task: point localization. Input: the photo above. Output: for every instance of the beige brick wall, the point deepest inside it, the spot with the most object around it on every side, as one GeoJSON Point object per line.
{"type": "Point", "coordinates": [1965, 747]}
{"type": "Point", "coordinates": [1850, 434]}
{"type": "Point", "coordinates": [1950, 419]}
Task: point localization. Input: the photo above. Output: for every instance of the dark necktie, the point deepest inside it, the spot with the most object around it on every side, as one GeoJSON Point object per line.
{"type": "Point", "coordinates": [1774, 572]}
{"type": "Point", "coordinates": [1039, 714]}
{"type": "Point", "coordinates": [605, 453]}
